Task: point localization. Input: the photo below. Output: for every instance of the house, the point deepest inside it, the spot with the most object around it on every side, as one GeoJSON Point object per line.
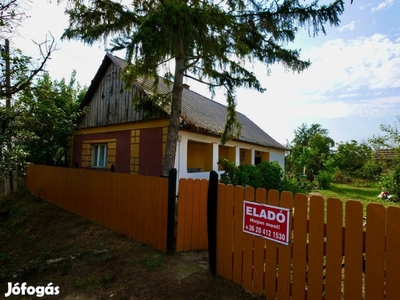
{"type": "Point", "coordinates": [114, 134]}
{"type": "Point", "coordinates": [385, 154]}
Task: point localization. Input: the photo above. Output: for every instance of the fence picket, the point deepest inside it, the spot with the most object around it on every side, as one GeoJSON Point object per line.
{"type": "Point", "coordinates": [248, 246]}
{"type": "Point", "coordinates": [334, 249]}
{"type": "Point", "coordinates": [315, 247]}
{"type": "Point", "coordinates": [353, 250]}
{"type": "Point", "coordinates": [220, 229]}
{"type": "Point", "coordinates": [392, 253]}
{"type": "Point", "coordinates": [180, 231]}
{"type": "Point", "coordinates": [228, 232]}
{"type": "Point", "coordinates": [284, 255]}
{"type": "Point", "coordinates": [188, 216]}
{"type": "Point", "coordinates": [135, 185]}
{"type": "Point", "coordinates": [375, 252]}
{"type": "Point", "coordinates": [259, 251]}
{"type": "Point", "coordinates": [271, 254]}
{"type": "Point", "coordinates": [300, 217]}
{"type": "Point", "coordinates": [195, 215]}
{"type": "Point", "coordinates": [203, 244]}
{"type": "Point", "coordinates": [238, 236]}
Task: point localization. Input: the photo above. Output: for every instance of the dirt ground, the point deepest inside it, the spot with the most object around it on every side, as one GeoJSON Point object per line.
{"type": "Point", "coordinates": [42, 244]}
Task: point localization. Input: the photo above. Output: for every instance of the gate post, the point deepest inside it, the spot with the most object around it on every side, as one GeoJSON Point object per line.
{"type": "Point", "coordinates": [171, 210]}
{"type": "Point", "coordinates": [212, 221]}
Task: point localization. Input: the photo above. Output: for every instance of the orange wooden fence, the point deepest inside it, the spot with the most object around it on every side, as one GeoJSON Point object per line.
{"type": "Point", "coordinates": [133, 205]}
{"type": "Point", "coordinates": [192, 215]}
{"type": "Point", "coordinates": [330, 255]}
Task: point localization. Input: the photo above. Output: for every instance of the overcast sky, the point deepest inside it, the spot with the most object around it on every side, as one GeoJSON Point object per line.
{"type": "Point", "coordinates": [351, 88]}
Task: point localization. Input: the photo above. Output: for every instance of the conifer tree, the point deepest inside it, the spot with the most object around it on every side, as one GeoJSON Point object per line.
{"type": "Point", "coordinates": [213, 42]}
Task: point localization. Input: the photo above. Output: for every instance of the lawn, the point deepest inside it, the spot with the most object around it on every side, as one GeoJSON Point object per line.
{"type": "Point", "coordinates": [347, 192]}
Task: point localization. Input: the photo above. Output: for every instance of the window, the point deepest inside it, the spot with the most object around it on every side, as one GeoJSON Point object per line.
{"type": "Point", "coordinates": [99, 156]}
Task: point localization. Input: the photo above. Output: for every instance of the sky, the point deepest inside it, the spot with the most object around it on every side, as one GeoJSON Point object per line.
{"type": "Point", "coordinates": [350, 89]}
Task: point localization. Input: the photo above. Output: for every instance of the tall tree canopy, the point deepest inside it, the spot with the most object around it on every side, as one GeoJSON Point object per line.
{"type": "Point", "coordinates": [22, 69]}
{"type": "Point", "coordinates": [52, 110]}
{"type": "Point", "coordinates": [389, 138]}
{"type": "Point", "coordinates": [213, 42]}
{"type": "Point", "coordinates": [310, 148]}
{"type": "Point", "coordinates": [40, 122]}
{"type": "Point", "coordinates": [11, 14]}
{"type": "Point", "coordinates": [355, 160]}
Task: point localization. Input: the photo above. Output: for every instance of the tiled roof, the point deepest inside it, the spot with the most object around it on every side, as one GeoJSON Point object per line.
{"type": "Point", "coordinates": [388, 154]}
{"type": "Point", "coordinates": [204, 114]}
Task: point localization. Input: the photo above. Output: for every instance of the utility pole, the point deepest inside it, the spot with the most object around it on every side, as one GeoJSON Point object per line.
{"type": "Point", "coordinates": [8, 176]}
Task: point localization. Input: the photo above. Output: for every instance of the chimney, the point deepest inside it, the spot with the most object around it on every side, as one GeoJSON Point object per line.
{"type": "Point", "coordinates": [186, 86]}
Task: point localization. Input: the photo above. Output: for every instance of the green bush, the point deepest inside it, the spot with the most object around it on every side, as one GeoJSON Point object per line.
{"type": "Point", "coordinates": [264, 175]}
{"type": "Point", "coordinates": [391, 183]}
{"type": "Point", "coordinates": [339, 177]}
{"type": "Point", "coordinates": [324, 179]}
{"type": "Point", "coordinates": [291, 185]}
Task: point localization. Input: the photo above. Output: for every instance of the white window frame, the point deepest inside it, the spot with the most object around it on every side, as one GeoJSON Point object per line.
{"type": "Point", "coordinates": [99, 155]}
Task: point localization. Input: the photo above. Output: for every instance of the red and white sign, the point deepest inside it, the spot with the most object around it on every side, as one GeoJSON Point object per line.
{"type": "Point", "coordinates": [269, 222]}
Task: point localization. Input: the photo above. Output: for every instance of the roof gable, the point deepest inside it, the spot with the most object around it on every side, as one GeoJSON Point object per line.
{"type": "Point", "coordinates": [198, 112]}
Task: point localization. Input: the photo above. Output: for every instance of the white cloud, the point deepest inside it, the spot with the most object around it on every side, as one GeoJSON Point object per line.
{"type": "Point", "coordinates": [362, 63]}
{"type": "Point", "coordinates": [347, 79]}
{"type": "Point", "coordinates": [382, 5]}
{"type": "Point", "coordinates": [362, 7]}
{"type": "Point", "coordinates": [351, 26]}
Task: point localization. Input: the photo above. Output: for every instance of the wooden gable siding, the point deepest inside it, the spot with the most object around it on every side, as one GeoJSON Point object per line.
{"type": "Point", "coordinates": [111, 103]}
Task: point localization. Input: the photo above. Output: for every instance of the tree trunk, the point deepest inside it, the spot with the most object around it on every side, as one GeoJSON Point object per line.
{"type": "Point", "coordinates": [173, 127]}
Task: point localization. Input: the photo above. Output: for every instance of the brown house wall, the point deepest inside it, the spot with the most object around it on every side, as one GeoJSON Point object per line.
{"type": "Point", "coordinates": [150, 149]}
{"type": "Point", "coordinates": [123, 139]}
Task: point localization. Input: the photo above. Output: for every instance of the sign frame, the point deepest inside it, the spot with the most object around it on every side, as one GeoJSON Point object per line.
{"type": "Point", "coordinates": [267, 221]}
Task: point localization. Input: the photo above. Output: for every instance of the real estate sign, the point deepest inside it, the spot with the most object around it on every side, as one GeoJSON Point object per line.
{"type": "Point", "coordinates": [269, 222]}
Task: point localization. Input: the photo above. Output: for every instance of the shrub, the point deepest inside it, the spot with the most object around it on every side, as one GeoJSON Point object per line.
{"type": "Point", "coordinates": [391, 183]}
{"type": "Point", "coordinates": [267, 175]}
{"type": "Point", "coordinates": [339, 177]}
{"type": "Point", "coordinates": [291, 185]}
{"type": "Point", "coordinates": [324, 179]}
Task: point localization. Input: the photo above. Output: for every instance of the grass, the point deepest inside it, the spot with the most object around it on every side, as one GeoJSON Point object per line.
{"type": "Point", "coordinates": [365, 195]}
{"type": "Point", "coordinates": [94, 281]}
{"type": "Point", "coordinates": [153, 261]}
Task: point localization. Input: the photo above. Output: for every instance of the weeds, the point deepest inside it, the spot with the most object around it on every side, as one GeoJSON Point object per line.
{"type": "Point", "coordinates": [154, 261]}
{"type": "Point", "coordinates": [43, 256]}
{"type": "Point", "coordinates": [100, 245]}
{"type": "Point", "coordinates": [93, 282]}
{"type": "Point", "coordinates": [4, 255]}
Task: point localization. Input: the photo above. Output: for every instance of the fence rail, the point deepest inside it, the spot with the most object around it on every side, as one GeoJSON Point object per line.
{"type": "Point", "coordinates": [324, 260]}
{"type": "Point", "coordinates": [133, 205]}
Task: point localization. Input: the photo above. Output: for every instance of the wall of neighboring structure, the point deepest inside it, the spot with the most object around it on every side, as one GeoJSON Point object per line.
{"type": "Point", "coordinates": [198, 154]}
